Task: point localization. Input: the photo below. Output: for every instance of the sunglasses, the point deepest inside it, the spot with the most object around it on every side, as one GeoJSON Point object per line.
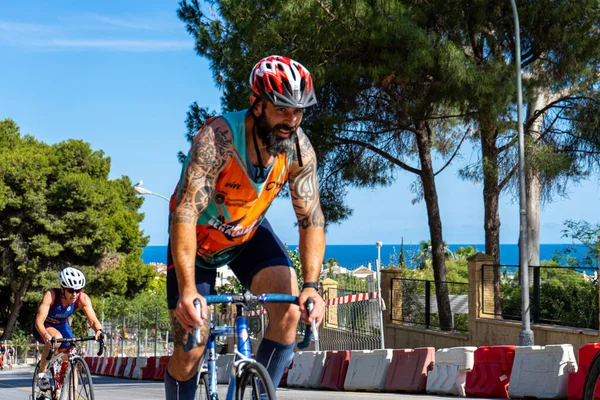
{"type": "Point", "coordinates": [72, 291]}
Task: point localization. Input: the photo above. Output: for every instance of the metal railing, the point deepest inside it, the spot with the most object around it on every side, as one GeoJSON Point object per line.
{"type": "Point", "coordinates": [559, 295]}
{"type": "Point", "coordinates": [418, 303]}
{"type": "Point", "coordinates": [353, 325]}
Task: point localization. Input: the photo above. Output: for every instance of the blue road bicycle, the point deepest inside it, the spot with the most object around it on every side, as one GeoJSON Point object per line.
{"type": "Point", "coordinates": [249, 379]}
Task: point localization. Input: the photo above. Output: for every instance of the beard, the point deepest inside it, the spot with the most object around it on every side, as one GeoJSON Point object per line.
{"type": "Point", "coordinates": [274, 143]}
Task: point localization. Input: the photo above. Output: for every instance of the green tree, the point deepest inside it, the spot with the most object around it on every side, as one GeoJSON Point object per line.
{"type": "Point", "coordinates": [402, 257]}
{"type": "Point", "coordinates": [463, 253]}
{"type": "Point", "coordinates": [57, 208]}
{"type": "Point", "coordinates": [560, 76]}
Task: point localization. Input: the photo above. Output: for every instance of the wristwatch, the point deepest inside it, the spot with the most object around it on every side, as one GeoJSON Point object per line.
{"type": "Point", "coordinates": [313, 285]}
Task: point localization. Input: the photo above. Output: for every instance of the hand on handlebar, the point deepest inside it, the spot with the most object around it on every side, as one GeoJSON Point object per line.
{"type": "Point", "coordinates": [318, 310]}
{"type": "Point", "coordinates": [186, 311]}
{"type": "Point", "coordinates": [99, 336]}
{"type": "Point", "coordinates": [48, 339]}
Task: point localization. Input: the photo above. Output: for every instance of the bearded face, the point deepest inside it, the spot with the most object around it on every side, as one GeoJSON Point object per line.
{"type": "Point", "coordinates": [277, 138]}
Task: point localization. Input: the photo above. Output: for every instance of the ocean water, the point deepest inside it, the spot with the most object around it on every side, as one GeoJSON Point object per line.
{"type": "Point", "coordinates": [353, 256]}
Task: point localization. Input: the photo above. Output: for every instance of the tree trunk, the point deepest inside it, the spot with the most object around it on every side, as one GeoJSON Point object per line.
{"type": "Point", "coordinates": [15, 309]}
{"type": "Point", "coordinates": [435, 227]}
{"type": "Point", "coordinates": [533, 182]}
{"type": "Point", "coordinates": [491, 196]}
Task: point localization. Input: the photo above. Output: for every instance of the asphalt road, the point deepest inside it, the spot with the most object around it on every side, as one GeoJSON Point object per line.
{"type": "Point", "coordinates": [16, 385]}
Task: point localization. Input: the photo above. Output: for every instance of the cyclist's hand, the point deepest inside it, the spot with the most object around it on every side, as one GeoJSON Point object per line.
{"type": "Point", "coordinates": [318, 310]}
{"type": "Point", "coordinates": [48, 340]}
{"type": "Point", "coordinates": [99, 335]}
{"type": "Point", "coordinates": [186, 311]}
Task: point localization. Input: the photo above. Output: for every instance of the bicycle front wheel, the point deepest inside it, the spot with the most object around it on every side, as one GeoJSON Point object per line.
{"type": "Point", "coordinates": [202, 389]}
{"type": "Point", "coordinates": [35, 390]}
{"type": "Point", "coordinates": [80, 385]}
{"type": "Point", "coordinates": [254, 383]}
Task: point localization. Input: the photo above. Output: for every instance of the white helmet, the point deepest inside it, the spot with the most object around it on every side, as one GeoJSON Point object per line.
{"type": "Point", "coordinates": [71, 278]}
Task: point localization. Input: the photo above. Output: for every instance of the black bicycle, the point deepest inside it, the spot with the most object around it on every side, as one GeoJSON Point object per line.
{"type": "Point", "coordinates": [70, 378]}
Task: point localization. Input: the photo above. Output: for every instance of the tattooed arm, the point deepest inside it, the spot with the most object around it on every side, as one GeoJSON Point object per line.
{"type": "Point", "coordinates": [304, 190]}
{"type": "Point", "coordinates": [211, 150]}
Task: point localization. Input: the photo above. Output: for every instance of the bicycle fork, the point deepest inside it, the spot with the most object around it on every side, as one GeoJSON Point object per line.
{"type": "Point", "coordinates": [211, 363]}
{"type": "Point", "coordinates": [242, 349]}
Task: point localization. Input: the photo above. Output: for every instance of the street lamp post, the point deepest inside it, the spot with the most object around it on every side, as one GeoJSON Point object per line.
{"type": "Point", "coordinates": [143, 191]}
{"type": "Point", "coordinates": [526, 334]}
{"type": "Point", "coordinates": [380, 302]}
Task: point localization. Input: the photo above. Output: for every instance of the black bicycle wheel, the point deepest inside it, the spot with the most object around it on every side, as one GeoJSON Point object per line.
{"type": "Point", "coordinates": [203, 389]}
{"type": "Point", "coordinates": [591, 389]}
{"type": "Point", "coordinates": [80, 386]}
{"type": "Point", "coordinates": [36, 393]}
{"type": "Point", "coordinates": [35, 390]}
{"type": "Point", "coordinates": [254, 382]}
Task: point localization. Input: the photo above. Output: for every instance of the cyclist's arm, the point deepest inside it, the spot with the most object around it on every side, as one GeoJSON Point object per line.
{"type": "Point", "coordinates": [85, 303]}
{"type": "Point", "coordinates": [42, 314]}
{"type": "Point", "coordinates": [304, 190]}
{"type": "Point", "coordinates": [211, 150]}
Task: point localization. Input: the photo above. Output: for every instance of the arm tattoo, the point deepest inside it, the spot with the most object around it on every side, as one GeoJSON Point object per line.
{"type": "Point", "coordinates": [211, 151]}
{"type": "Point", "coordinates": [304, 188]}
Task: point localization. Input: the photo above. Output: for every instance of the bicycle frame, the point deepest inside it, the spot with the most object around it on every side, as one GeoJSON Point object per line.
{"type": "Point", "coordinates": [243, 348]}
{"type": "Point", "coordinates": [243, 351]}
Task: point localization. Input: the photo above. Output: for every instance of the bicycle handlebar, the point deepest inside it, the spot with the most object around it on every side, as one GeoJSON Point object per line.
{"type": "Point", "coordinates": [245, 299]}
{"type": "Point", "coordinates": [54, 341]}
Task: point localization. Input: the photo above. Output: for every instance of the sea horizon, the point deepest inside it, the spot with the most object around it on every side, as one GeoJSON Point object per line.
{"type": "Point", "coordinates": [352, 256]}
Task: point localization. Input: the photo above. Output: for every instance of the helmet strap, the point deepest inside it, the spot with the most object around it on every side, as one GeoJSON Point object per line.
{"type": "Point", "coordinates": [298, 150]}
{"type": "Point", "coordinates": [261, 168]}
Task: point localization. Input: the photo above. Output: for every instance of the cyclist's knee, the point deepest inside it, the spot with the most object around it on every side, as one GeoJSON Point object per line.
{"type": "Point", "coordinates": [184, 365]}
{"type": "Point", "coordinates": [284, 315]}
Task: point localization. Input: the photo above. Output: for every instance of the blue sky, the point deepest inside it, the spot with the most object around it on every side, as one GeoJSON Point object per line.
{"type": "Point", "coordinates": [121, 76]}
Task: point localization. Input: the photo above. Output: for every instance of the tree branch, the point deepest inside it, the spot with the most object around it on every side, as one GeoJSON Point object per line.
{"type": "Point", "coordinates": [455, 152]}
{"type": "Point", "coordinates": [382, 153]}
{"type": "Point", "coordinates": [508, 177]}
{"type": "Point", "coordinates": [328, 12]}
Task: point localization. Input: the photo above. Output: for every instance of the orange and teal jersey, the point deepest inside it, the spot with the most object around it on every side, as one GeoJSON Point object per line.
{"type": "Point", "coordinates": [239, 205]}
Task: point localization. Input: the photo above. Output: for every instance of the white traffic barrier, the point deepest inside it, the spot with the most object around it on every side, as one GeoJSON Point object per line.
{"type": "Point", "coordinates": [128, 371]}
{"type": "Point", "coordinates": [224, 364]}
{"type": "Point", "coordinates": [306, 369]}
{"type": "Point", "coordinates": [102, 369]}
{"type": "Point", "coordinates": [118, 361]}
{"type": "Point", "coordinates": [541, 371]}
{"type": "Point", "coordinates": [450, 368]}
{"type": "Point", "coordinates": [368, 369]}
{"type": "Point", "coordinates": [140, 364]}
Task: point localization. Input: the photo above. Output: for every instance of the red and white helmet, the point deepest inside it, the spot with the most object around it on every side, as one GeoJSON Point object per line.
{"type": "Point", "coordinates": [283, 81]}
{"type": "Point", "coordinates": [71, 278]}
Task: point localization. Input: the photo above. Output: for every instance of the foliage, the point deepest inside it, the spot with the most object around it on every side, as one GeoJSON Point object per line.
{"type": "Point", "coordinates": [58, 207]}
{"type": "Point", "coordinates": [580, 232]}
{"type": "Point", "coordinates": [402, 257]}
{"type": "Point", "coordinates": [566, 298]}
{"type": "Point", "coordinates": [297, 262]}
{"type": "Point", "coordinates": [464, 253]}
{"type": "Point", "coordinates": [20, 339]}
{"type": "Point", "coordinates": [371, 63]}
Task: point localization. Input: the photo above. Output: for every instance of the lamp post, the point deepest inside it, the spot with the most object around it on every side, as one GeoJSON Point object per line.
{"type": "Point", "coordinates": [380, 302]}
{"type": "Point", "coordinates": [526, 334]}
{"type": "Point", "coordinates": [143, 191]}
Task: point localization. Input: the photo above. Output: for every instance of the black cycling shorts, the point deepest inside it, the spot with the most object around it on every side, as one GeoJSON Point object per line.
{"type": "Point", "coordinates": [262, 251]}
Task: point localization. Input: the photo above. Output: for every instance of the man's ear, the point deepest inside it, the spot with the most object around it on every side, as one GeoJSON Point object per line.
{"type": "Point", "coordinates": [255, 105]}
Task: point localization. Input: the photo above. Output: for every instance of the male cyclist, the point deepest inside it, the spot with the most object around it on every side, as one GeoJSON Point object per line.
{"type": "Point", "coordinates": [52, 319]}
{"type": "Point", "coordinates": [238, 164]}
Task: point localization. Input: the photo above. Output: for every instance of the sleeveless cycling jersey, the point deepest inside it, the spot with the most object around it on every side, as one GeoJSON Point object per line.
{"type": "Point", "coordinates": [240, 204]}
{"type": "Point", "coordinates": [58, 314]}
